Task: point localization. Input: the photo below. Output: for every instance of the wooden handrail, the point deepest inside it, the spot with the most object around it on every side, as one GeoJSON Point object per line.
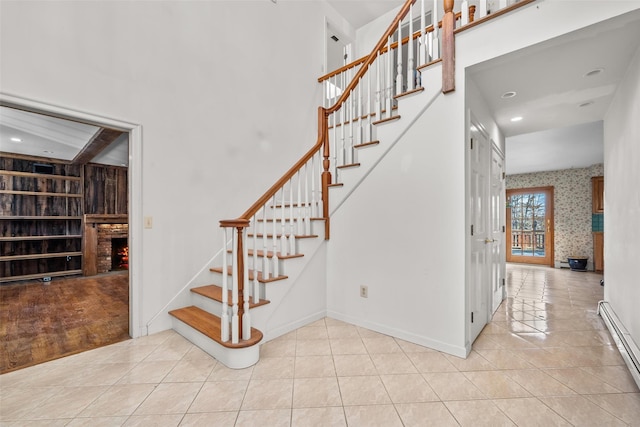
{"type": "Point", "coordinates": [394, 45]}
{"type": "Point", "coordinates": [323, 113]}
{"type": "Point", "coordinates": [372, 56]}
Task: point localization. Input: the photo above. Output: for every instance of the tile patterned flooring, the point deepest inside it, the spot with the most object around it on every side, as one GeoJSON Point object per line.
{"type": "Point", "coordinates": [546, 359]}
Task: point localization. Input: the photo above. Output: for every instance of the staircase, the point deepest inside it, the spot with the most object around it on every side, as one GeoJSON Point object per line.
{"type": "Point", "coordinates": [269, 252]}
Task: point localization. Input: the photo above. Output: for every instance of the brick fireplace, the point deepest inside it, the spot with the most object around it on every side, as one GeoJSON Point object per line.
{"type": "Point", "coordinates": [103, 234]}
{"type": "Point", "coordinates": [107, 233]}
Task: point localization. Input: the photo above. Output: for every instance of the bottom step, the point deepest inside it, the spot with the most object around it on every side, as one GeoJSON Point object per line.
{"type": "Point", "coordinates": [203, 329]}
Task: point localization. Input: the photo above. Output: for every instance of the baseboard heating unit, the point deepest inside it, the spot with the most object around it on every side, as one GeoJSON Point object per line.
{"type": "Point", "coordinates": [627, 347]}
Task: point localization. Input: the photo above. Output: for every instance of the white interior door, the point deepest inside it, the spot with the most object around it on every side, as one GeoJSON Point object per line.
{"type": "Point", "coordinates": [480, 240]}
{"type": "Point", "coordinates": [497, 229]}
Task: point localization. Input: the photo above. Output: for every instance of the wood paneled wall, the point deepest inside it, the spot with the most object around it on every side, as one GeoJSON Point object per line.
{"type": "Point", "coordinates": [105, 190]}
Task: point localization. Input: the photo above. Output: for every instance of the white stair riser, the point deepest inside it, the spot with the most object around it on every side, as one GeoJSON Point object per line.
{"type": "Point", "coordinates": [295, 226]}
{"type": "Point", "coordinates": [215, 307]}
{"type": "Point", "coordinates": [237, 358]}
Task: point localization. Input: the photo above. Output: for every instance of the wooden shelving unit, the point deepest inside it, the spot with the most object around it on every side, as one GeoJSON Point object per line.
{"type": "Point", "coordinates": [41, 218]}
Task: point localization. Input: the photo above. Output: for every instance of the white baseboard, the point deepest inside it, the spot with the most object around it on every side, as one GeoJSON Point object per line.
{"type": "Point", "coordinates": [628, 348]}
{"type": "Point", "coordinates": [401, 334]}
{"type": "Point", "coordinates": [284, 329]}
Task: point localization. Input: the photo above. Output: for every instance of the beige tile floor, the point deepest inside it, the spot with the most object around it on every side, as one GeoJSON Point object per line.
{"type": "Point", "coordinates": [545, 360]}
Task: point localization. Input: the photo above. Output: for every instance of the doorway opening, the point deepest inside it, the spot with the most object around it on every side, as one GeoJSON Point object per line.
{"type": "Point", "coordinates": [133, 182]}
{"type": "Point", "coordinates": [530, 225]}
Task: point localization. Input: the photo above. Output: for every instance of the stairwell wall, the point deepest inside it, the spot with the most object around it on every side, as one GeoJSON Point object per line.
{"type": "Point", "coordinates": [225, 92]}
{"type": "Point", "coordinates": [402, 232]}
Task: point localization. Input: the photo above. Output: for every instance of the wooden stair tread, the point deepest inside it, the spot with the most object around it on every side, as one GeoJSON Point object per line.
{"type": "Point", "coordinates": [297, 236]}
{"type": "Point", "coordinates": [209, 325]}
{"type": "Point", "coordinates": [214, 292]}
{"type": "Point", "coordinates": [386, 120]}
{"type": "Point", "coordinates": [367, 144]}
{"type": "Point", "coordinates": [428, 64]}
{"type": "Point", "coordinates": [250, 272]}
{"type": "Point", "coordinates": [288, 219]}
{"type": "Point", "coordinates": [260, 253]}
{"type": "Point", "coordinates": [351, 165]}
{"type": "Point", "coordinates": [409, 92]}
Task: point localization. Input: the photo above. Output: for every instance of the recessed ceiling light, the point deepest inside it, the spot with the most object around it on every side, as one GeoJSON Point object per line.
{"type": "Point", "coordinates": [586, 104]}
{"type": "Point", "coordinates": [14, 139]}
{"type": "Point", "coordinates": [48, 152]}
{"type": "Point", "coordinates": [509, 94]}
{"type": "Point", "coordinates": [516, 119]}
{"type": "Point", "coordinates": [593, 72]}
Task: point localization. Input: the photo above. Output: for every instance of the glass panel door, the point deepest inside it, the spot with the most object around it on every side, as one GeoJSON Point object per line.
{"type": "Point", "coordinates": [530, 219]}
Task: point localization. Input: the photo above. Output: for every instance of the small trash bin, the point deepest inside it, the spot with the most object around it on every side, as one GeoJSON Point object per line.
{"type": "Point", "coordinates": [578, 263]}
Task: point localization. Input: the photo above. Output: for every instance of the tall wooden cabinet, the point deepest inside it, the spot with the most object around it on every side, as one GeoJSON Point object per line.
{"type": "Point", "coordinates": [41, 208]}
{"type": "Point", "coordinates": [597, 184]}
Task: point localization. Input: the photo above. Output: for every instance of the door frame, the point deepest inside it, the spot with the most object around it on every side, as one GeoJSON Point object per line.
{"type": "Point", "coordinates": [136, 329]}
{"type": "Point", "coordinates": [549, 259]}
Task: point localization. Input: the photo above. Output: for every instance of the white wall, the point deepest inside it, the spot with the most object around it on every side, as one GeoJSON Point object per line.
{"type": "Point", "coordinates": [398, 233]}
{"type": "Point", "coordinates": [368, 35]}
{"type": "Point", "coordinates": [622, 201]}
{"type": "Point", "coordinates": [225, 91]}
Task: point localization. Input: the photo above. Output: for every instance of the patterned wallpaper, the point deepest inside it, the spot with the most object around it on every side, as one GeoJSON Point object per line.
{"type": "Point", "coordinates": [572, 207]}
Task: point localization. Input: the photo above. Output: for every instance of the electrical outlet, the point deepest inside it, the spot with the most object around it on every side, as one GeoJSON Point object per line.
{"type": "Point", "coordinates": [364, 291]}
{"type": "Point", "coordinates": [148, 222]}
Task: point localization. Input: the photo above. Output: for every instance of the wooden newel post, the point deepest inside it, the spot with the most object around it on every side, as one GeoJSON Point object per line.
{"type": "Point", "coordinates": [238, 271]}
{"type": "Point", "coordinates": [323, 128]}
{"type": "Point", "coordinates": [448, 48]}
{"type": "Point", "coordinates": [239, 267]}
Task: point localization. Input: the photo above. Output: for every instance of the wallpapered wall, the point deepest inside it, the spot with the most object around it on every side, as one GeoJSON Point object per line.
{"type": "Point", "coordinates": [572, 207]}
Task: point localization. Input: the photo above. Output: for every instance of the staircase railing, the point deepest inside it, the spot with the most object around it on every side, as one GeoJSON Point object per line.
{"type": "Point", "coordinates": [356, 97]}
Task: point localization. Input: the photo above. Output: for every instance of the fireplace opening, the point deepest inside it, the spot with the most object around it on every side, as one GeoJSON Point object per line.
{"type": "Point", "coordinates": [119, 254]}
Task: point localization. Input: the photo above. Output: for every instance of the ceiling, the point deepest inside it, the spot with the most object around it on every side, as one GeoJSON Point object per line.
{"type": "Point", "coordinates": [563, 89]}
{"type": "Point", "coordinates": [33, 134]}
{"type": "Point", "coordinates": [361, 12]}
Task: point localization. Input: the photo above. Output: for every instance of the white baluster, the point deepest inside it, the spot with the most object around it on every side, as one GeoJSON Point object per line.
{"type": "Point", "coordinates": [292, 238]}
{"type": "Point", "coordinates": [254, 222]}
{"type": "Point", "coordinates": [423, 40]}
{"type": "Point", "coordinates": [349, 154]}
{"type": "Point", "coordinates": [276, 263]}
{"type": "Point", "coordinates": [389, 88]}
{"type": "Point", "coordinates": [464, 13]}
{"type": "Point", "coordinates": [369, 137]}
{"type": "Point", "coordinates": [334, 146]}
{"type": "Point", "coordinates": [234, 290]}
{"type": "Point", "coordinates": [246, 317]}
{"type": "Point", "coordinates": [307, 207]}
{"type": "Point", "coordinates": [359, 129]}
{"type": "Point", "coordinates": [224, 327]}
{"type": "Point", "coordinates": [283, 236]}
{"type": "Point", "coordinates": [435, 42]}
{"type": "Point", "coordinates": [299, 225]}
{"type": "Point", "coordinates": [314, 211]}
{"type": "Point", "coordinates": [411, 72]}
{"type": "Point", "coordinates": [343, 141]}
{"type": "Point", "coordinates": [378, 88]}
{"type": "Point", "coordinates": [320, 210]}
{"type": "Point", "coordinates": [483, 8]}
{"type": "Point", "coordinates": [265, 247]}
{"type": "Point", "coordinates": [399, 82]}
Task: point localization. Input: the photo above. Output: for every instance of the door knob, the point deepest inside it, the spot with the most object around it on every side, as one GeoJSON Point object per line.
{"type": "Point", "coordinates": [489, 240]}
